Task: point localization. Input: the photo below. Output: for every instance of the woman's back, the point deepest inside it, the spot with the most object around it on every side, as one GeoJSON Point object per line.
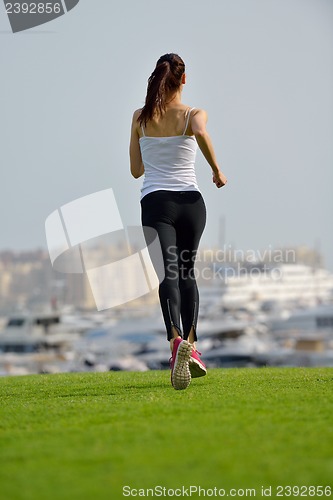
{"type": "Point", "coordinates": [171, 123]}
{"type": "Point", "coordinates": [168, 153]}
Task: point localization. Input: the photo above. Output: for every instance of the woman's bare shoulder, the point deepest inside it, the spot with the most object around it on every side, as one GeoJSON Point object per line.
{"type": "Point", "coordinates": [196, 111]}
{"type": "Point", "coordinates": [136, 113]}
{"type": "Point", "coordinates": [199, 114]}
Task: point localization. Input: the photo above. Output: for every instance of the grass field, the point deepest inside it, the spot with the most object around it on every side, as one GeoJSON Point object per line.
{"type": "Point", "coordinates": [82, 436]}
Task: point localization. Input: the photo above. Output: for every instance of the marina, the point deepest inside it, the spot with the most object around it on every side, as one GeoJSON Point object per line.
{"type": "Point", "coordinates": [280, 318]}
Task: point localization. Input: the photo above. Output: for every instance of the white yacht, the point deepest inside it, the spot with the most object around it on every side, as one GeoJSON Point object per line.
{"type": "Point", "coordinates": [29, 332]}
{"type": "Point", "coordinates": [313, 319]}
{"type": "Point", "coordinates": [36, 343]}
{"type": "Point", "coordinates": [286, 284]}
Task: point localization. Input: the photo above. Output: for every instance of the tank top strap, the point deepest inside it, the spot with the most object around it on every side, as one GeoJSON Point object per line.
{"type": "Point", "coordinates": [188, 113]}
{"type": "Point", "coordinates": [143, 131]}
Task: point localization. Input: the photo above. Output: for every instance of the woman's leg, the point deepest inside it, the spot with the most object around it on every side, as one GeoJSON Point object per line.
{"type": "Point", "coordinates": [189, 230]}
{"type": "Point", "coordinates": [158, 212]}
{"type": "Point", "coordinates": [169, 293]}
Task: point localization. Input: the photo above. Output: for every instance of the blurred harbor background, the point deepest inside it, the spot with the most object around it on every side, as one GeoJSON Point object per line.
{"type": "Point", "coordinates": [272, 307]}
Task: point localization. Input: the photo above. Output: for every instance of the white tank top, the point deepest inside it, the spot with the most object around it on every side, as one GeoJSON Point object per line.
{"type": "Point", "coordinates": [169, 162]}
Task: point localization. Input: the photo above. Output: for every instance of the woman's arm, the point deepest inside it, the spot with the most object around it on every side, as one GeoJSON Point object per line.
{"type": "Point", "coordinates": [137, 168]}
{"type": "Point", "coordinates": [198, 125]}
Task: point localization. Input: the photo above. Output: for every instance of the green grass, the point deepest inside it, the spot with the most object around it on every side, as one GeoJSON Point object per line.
{"type": "Point", "coordinates": [82, 436]}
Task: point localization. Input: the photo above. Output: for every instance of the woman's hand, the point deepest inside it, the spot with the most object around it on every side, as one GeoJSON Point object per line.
{"type": "Point", "coordinates": [219, 179]}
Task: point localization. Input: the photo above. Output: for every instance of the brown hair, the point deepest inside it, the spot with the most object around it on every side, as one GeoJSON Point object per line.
{"type": "Point", "coordinates": [166, 77]}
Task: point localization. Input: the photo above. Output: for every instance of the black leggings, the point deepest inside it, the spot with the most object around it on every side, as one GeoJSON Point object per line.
{"type": "Point", "coordinates": [179, 217]}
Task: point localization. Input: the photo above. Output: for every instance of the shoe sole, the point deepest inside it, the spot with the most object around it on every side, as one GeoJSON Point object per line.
{"type": "Point", "coordinates": [181, 375]}
{"type": "Point", "coordinates": [196, 368]}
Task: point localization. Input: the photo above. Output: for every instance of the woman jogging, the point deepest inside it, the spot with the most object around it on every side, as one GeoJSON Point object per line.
{"type": "Point", "coordinates": [164, 139]}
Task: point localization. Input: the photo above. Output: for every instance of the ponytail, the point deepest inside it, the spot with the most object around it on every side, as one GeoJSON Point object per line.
{"type": "Point", "coordinates": [166, 77]}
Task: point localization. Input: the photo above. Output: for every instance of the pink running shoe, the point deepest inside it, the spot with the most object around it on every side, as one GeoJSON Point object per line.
{"type": "Point", "coordinates": [179, 363]}
{"type": "Point", "coordinates": [197, 367]}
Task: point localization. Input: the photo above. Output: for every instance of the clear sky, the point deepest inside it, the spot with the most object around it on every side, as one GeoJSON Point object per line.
{"type": "Point", "coordinates": [263, 70]}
